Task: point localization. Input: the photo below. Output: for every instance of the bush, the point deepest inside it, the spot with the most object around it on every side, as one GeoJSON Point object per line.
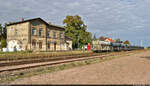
{"type": "Point", "coordinates": [148, 47]}
{"type": "Point", "coordinates": [3, 43]}
{"type": "Point", "coordinates": [29, 51]}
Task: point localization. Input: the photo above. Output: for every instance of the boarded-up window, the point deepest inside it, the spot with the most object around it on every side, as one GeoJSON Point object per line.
{"type": "Point", "coordinates": [40, 45]}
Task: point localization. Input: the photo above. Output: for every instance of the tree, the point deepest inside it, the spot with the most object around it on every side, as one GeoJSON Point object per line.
{"type": "Point", "coordinates": [102, 38]}
{"type": "Point", "coordinates": [3, 43]}
{"type": "Point", "coordinates": [3, 36]}
{"type": "Point", "coordinates": [127, 42]}
{"type": "Point", "coordinates": [1, 31]}
{"type": "Point", "coordinates": [118, 40]}
{"type": "Point", "coordinates": [76, 29]}
{"type": "Point", "coordinates": [148, 47]}
{"type": "Point", "coordinates": [4, 31]}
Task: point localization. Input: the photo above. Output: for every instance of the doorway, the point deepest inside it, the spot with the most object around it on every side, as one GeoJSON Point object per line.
{"type": "Point", "coordinates": [55, 46]}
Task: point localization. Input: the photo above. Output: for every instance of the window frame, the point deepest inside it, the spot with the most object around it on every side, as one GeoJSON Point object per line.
{"type": "Point", "coordinates": [48, 45]}
{"type": "Point", "coordinates": [40, 45]}
{"type": "Point", "coordinates": [34, 44]}
{"type": "Point", "coordinates": [40, 32]}
{"type": "Point", "coordinates": [16, 32]}
{"type": "Point", "coordinates": [54, 35]}
{"type": "Point", "coordinates": [61, 35]}
{"type": "Point", "coordinates": [48, 34]}
{"type": "Point", "coordinates": [33, 30]}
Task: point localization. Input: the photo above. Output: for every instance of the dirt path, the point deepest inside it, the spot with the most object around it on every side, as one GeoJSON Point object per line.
{"type": "Point", "coordinates": [133, 69]}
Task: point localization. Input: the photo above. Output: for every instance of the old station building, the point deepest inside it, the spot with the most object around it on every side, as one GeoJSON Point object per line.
{"type": "Point", "coordinates": [37, 35]}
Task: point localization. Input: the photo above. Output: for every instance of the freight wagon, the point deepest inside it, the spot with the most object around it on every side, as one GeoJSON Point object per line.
{"type": "Point", "coordinates": [103, 46]}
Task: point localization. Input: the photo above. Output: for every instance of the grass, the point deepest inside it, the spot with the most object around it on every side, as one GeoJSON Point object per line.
{"type": "Point", "coordinates": [15, 52]}
{"type": "Point", "coordinates": [4, 56]}
{"type": "Point", "coordinates": [56, 68]}
{"type": "Point", "coordinates": [28, 54]}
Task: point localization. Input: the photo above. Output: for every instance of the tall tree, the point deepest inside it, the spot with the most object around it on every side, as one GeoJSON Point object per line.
{"type": "Point", "coordinates": [127, 42]}
{"type": "Point", "coordinates": [4, 31]}
{"type": "Point", "coordinates": [118, 40]}
{"type": "Point", "coordinates": [1, 31]}
{"type": "Point", "coordinates": [76, 29]}
{"type": "Point", "coordinates": [3, 43]}
{"type": "Point", "coordinates": [3, 36]}
{"type": "Point", "coordinates": [102, 38]}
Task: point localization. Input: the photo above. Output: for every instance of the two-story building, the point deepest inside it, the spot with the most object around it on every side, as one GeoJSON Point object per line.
{"type": "Point", "coordinates": [37, 35]}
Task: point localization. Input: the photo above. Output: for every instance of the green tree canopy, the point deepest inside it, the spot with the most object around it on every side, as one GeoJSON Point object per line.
{"type": "Point", "coordinates": [76, 29]}
{"type": "Point", "coordinates": [4, 31]}
{"type": "Point", "coordinates": [148, 47]}
{"type": "Point", "coordinates": [3, 36]}
{"type": "Point", "coordinates": [1, 31]}
{"type": "Point", "coordinates": [3, 43]}
{"type": "Point", "coordinates": [117, 40]}
{"type": "Point", "coordinates": [127, 42]}
{"type": "Point", "coordinates": [102, 38]}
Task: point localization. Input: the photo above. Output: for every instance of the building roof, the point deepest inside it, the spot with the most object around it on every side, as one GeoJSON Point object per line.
{"type": "Point", "coordinates": [36, 19]}
{"type": "Point", "coordinates": [68, 38]}
{"type": "Point", "coordinates": [110, 39]}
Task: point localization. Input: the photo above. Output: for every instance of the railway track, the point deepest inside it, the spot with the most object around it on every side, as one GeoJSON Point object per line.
{"type": "Point", "coordinates": [25, 66]}
{"type": "Point", "coordinates": [38, 60]}
{"type": "Point", "coordinates": [38, 57]}
{"type": "Point", "coordinates": [19, 66]}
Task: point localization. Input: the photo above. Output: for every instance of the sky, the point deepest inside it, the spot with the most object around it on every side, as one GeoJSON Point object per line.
{"type": "Point", "coordinates": [124, 19]}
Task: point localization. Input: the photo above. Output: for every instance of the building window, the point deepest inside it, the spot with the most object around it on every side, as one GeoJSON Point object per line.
{"type": "Point", "coordinates": [34, 44]}
{"type": "Point", "coordinates": [61, 45]}
{"type": "Point", "coordinates": [48, 34]}
{"type": "Point", "coordinates": [35, 23]}
{"type": "Point", "coordinates": [40, 45]}
{"type": "Point", "coordinates": [16, 32]}
{"type": "Point", "coordinates": [40, 32]}
{"type": "Point", "coordinates": [61, 35]}
{"type": "Point", "coordinates": [54, 35]}
{"type": "Point", "coordinates": [48, 45]}
{"type": "Point", "coordinates": [33, 31]}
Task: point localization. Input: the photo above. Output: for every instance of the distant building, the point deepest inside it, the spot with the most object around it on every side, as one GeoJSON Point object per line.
{"type": "Point", "coordinates": [109, 40]}
{"type": "Point", "coordinates": [37, 35]}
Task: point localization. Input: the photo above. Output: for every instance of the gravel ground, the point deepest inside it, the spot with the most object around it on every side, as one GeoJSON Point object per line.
{"type": "Point", "coordinates": [134, 69]}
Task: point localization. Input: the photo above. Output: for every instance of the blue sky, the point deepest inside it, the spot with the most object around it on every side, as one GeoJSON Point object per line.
{"type": "Point", "coordinates": [125, 19]}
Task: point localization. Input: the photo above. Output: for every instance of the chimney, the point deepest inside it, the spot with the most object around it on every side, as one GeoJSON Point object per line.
{"type": "Point", "coordinates": [22, 19]}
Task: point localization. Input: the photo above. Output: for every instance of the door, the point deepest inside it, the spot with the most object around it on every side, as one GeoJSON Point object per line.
{"type": "Point", "coordinates": [55, 46]}
{"type": "Point", "coordinates": [40, 45]}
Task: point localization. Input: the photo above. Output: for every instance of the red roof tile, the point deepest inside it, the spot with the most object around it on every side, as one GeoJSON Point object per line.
{"type": "Point", "coordinates": [110, 39]}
